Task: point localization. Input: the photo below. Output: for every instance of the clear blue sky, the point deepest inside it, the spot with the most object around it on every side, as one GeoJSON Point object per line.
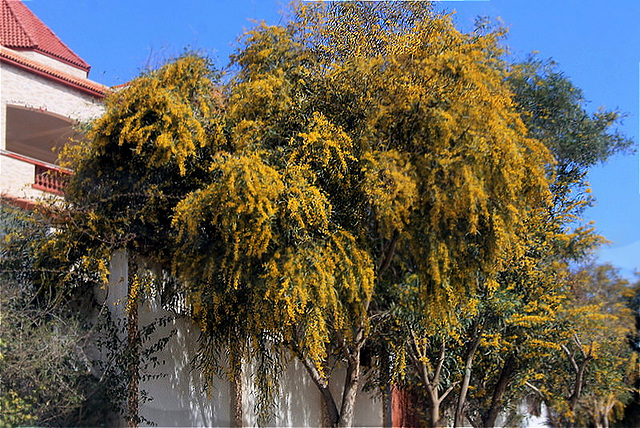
{"type": "Point", "coordinates": [595, 42]}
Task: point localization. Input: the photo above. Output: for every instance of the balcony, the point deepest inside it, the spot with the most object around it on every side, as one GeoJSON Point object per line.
{"type": "Point", "coordinates": [21, 173]}
{"type": "Point", "coordinates": [29, 153]}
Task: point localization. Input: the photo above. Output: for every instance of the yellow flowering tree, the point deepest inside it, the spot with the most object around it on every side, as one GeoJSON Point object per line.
{"type": "Point", "coordinates": [495, 354]}
{"type": "Point", "coordinates": [534, 286]}
{"type": "Point", "coordinates": [146, 152]}
{"type": "Point", "coordinates": [367, 165]}
{"type": "Point", "coordinates": [591, 373]}
{"type": "Point", "coordinates": [365, 144]}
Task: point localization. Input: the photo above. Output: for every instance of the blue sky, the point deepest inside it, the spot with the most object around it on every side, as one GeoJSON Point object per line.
{"type": "Point", "coordinates": [596, 43]}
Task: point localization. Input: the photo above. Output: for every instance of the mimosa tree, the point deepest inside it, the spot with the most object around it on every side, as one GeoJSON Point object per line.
{"type": "Point", "coordinates": [366, 143]}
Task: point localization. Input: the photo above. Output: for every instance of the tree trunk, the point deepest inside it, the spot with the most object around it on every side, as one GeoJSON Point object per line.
{"type": "Point", "coordinates": [577, 386]}
{"type": "Point", "coordinates": [133, 289]}
{"type": "Point", "coordinates": [464, 388]}
{"type": "Point", "coordinates": [509, 367]}
{"type": "Point", "coordinates": [434, 411]}
{"type": "Point", "coordinates": [434, 397]}
{"type": "Point", "coordinates": [329, 405]}
{"type": "Point", "coordinates": [236, 386]}
{"type": "Point", "coordinates": [351, 384]}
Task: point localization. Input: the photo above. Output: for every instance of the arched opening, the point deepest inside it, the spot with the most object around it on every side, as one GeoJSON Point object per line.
{"type": "Point", "coordinates": [37, 134]}
{"type": "Point", "coordinates": [34, 137]}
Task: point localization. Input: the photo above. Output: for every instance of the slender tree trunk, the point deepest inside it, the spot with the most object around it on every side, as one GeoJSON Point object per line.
{"type": "Point", "coordinates": [605, 419]}
{"type": "Point", "coordinates": [236, 386]}
{"type": "Point", "coordinates": [387, 392]}
{"type": "Point", "coordinates": [577, 386]}
{"type": "Point", "coordinates": [434, 409]}
{"type": "Point", "coordinates": [432, 385]}
{"type": "Point", "coordinates": [133, 289]}
{"type": "Point", "coordinates": [464, 388]}
{"type": "Point", "coordinates": [352, 382]}
{"type": "Point", "coordinates": [509, 367]}
{"type": "Point", "coordinates": [329, 405]}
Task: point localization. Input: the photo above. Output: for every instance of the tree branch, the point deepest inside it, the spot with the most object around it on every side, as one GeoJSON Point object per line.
{"type": "Point", "coordinates": [436, 376]}
{"type": "Point", "coordinates": [387, 254]}
{"type": "Point", "coordinates": [451, 387]}
{"type": "Point", "coordinates": [534, 388]}
{"type": "Point", "coordinates": [570, 355]}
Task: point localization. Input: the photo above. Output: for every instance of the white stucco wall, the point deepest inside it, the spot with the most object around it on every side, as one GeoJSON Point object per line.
{"type": "Point", "coordinates": [300, 404]}
{"type": "Point", "coordinates": [16, 178]}
{"type": "Point", "coordinates": [22, 88]}
{"type": "Point", "coordinates": [52, 62]}
{"type": "Point", "coordinates": [178, 398]}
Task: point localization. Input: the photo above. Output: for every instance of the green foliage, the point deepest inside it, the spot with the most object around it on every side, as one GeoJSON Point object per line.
{"type": "Point", "coordinates": [555, 112]}
{"type": "Point", "coordinates": [46, 377]}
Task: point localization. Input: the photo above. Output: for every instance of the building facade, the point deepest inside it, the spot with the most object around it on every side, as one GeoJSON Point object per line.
{"type": "Point", "coordinates": [44, 93]}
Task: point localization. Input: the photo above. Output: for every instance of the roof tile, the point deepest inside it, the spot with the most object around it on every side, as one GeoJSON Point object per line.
{"type": "Point", "coordinates": [21, 29]}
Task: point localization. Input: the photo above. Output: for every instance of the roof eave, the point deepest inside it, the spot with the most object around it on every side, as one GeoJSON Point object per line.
{"type": "Point", "coordinates": [60, 77]}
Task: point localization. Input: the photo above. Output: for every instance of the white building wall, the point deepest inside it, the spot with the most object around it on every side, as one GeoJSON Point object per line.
{"type": "Point", "coordinates": [16, 178]}
{"type": "Point", "coordinates": [300, 404]}
{"type": "Point", "coordinates": [178, 398]}
{"type": "Point", "coordinates": [52, 62]}
{"type": "Point", "coordinates": [20, 88]}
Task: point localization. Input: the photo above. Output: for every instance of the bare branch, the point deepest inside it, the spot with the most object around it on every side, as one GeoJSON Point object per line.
{"type": "Point", "coordinates": [570, 355]}
{"type": "Point", "coordinates": [436, 376]}
{"type": "Point", "coordinates": [534, 388]}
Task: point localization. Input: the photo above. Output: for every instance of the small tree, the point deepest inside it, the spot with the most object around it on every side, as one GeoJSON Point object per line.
{"type": "Point", "coordinates": [592, 371]}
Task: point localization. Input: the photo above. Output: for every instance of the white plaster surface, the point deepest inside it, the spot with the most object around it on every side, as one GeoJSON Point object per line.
{"type": "Point", "coordinates": [16, 178]}
{"type": "Point", "coordinates": [178, 398]}
{"type": "Point", "coordinates": [52, 62]}
{"type": "Point", "coordinates": [24, 89]}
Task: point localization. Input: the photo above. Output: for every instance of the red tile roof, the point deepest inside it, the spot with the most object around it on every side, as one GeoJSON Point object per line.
{"type": "Point", "coordinates": [85, 85]}
{"type": "Point", "coordinates": [21, 29]}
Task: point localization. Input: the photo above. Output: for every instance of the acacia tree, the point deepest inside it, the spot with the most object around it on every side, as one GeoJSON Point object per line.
{"type": "Point", "coordinates": [591, 372]}
{"type": "Point", "coordinates": [358, 149]}
{"type": "Point", "coordinates": [365, 143]}
{"type": "Point", "coordinates": [515, 326]}
{"type": "Point", "coordinates": [554, 111]}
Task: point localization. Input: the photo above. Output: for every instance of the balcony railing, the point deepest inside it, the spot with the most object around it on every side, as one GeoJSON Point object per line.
{"type": "Point", "coordinates": [48, 178]}
{"type": "Point", "coordinates": [51, 179]}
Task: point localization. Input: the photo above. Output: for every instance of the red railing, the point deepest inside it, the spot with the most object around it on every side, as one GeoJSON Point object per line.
{"type": "Point", "coordinates": [48, 178]}
{"type": "Point", "coordinates": [51, 179]}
